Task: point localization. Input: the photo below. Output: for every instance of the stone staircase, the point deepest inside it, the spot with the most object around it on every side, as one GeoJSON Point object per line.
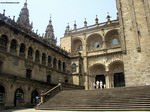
{"type": "Point", "coordinates": [126, 98]}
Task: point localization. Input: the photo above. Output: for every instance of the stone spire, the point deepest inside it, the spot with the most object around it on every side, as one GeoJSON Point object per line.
{"type": "Point", "coordinates": [23, 19]}
{"type": "Point", "coordinates": [49, 33]}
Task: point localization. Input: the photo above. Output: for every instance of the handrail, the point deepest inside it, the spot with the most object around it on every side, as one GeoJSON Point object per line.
{"type": "Point", "coordinates": [45, 96]}
{"type": "Point", "coordinates": [52, 89]}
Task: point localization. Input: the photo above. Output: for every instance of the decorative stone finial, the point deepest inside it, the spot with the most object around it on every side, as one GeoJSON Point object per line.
{"type": "Point", "coordinates": [68, 27]}
{"type": "Point", "coordinates": [37, 31]}
{"type": "Point", "coordinates": [108, 18]}
{"type": "Point", "coordinates": [75, 25]}
{"type": "Point", "coordinates": [117, 16]}
{"type": "Point", "coordinates": [85, 23]}
{"type": "Point", "coordinates": [13, 18]}
{"type": "Point", "coordinates": [4, 12]}
{"type": "Point", "coordinates": [96, 20]}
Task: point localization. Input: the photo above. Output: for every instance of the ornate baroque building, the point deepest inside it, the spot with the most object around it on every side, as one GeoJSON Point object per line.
{"type": "Point", "coordinates": [115, 52]}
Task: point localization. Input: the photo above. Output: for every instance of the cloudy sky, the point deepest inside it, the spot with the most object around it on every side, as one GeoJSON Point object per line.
{"type": "Point", "coordinates": [62, 12]}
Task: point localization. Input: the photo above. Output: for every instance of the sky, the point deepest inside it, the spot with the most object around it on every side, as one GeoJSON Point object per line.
{"type": "Point", "coordinates": [62, 12]}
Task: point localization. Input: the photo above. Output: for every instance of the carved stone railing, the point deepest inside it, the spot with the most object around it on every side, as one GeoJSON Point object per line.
{"type": "Point", "coordinates": [61, 86]}
{"type": "Point", "coordinates": [50, 93]}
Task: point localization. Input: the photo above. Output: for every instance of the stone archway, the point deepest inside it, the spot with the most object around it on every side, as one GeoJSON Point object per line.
{"type": "Point", "coordinates": [94, 42]}
{"type": "Point", "coordinates": [18, 97]}
{"type": "Point", "coordinates": [117, 74]}
{"type": "Point", "coordinates": [77, 46]}
{"type": "Point", "coordinates": [96, 73]}
{"type": "Point", "coordinates": [34, 97]}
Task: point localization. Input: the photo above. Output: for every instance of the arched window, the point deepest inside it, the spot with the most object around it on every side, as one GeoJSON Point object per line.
{"type": "Point", "coordinates": [43, 58]}
{"type": "Point", "coordinates": [74, 67]}
{"type": "Point", "coordinates": [30, 52]}
{"type": "Point", "coordinates": [13, 45]}
{"type": "Point", "coordinates": [2, 92]}
{"type": "Point", "coordinates": [55, 63]}
{"type": "Point", "coordinates": [59, 65]}
{"type": "Point", "coordinates": [115, 42]}
{"type": "Point", "coordinates": [37, 56]}
{"type": "Point", "coordinates": [28, 73]}
{"type": "Point", "coordinates": [49, 78]}
{"type": "Point", "coordinates": [64, 67]}
{"type": "Point", "coordinates": [3, 40]}
{"type": "Point", "coordinates": [49, 61]}
{"type": "Point", "coordinates": [22, 48]}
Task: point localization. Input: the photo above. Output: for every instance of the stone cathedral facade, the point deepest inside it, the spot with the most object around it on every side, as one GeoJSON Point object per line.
{"type": "Point", "coordinates": [115, 52]}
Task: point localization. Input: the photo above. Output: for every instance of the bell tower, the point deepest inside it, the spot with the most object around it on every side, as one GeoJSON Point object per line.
{"type": "Point", "coordinates": [134, 18]}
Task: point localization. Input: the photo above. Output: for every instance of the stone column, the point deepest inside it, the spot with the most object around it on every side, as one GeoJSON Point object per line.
{"type": "Point", "coordinates": [111, 81]}
{"type": "Point", "coordinates": [46, 60]}
{"type": "Point", "coordinates": [107, 78]}
{"type": "Point", "coordinates": [104, 45]}
{"type": "Point", "coordinates": [26, 53]}
{"type": "Point", "coordinates": [33, 55]}
{"type": "Point", "coordinates": [18, 49]}
{"type": "Point", "coordinates": [8, 46]}
{"type": "Point", "coordinates": [40, 57]}
{"type": "Point", "coordinates": [85, 63]}
{"type": "Point", "coordinates": [42, 97]}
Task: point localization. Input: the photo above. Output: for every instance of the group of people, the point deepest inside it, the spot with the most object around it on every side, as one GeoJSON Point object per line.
{"type": "Point", "coordinates": [99, 85]}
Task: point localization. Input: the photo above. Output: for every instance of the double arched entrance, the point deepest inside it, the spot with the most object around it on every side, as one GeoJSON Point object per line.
{"type": "Point", "coordinates": [19, 97]}
{"type": "Point", "coordinates": [112, 77]}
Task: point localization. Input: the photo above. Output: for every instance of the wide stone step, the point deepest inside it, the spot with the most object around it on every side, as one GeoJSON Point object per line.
{"type": "Point", "coordinates": [116, 99]}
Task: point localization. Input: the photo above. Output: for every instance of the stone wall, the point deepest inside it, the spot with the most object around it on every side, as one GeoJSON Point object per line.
{"type": "Point", "coordinates": [135, 34]}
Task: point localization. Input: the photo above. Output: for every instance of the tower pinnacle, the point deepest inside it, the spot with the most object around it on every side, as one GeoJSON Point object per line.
{"type": "Point", "coordinates": [23, 19]}
{"type": "Point", "coordinates": [49, 33]}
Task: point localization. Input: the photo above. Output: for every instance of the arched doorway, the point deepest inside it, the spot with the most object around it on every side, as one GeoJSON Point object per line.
{"type": "Point", "coordinates": [2, 94]}
{"type": "Point", "coordinates": [100, 78]}
{"type": "Point", "coordinates": [119, 80]}
{"type": "Point", "coordinates": [96, 73]}
{"type": "Point", "coordinates": [34, 97]}
{"type": "Point", "coordinates": [19, 97]}
{"type": "Point", "coordinates": [117, 71]}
